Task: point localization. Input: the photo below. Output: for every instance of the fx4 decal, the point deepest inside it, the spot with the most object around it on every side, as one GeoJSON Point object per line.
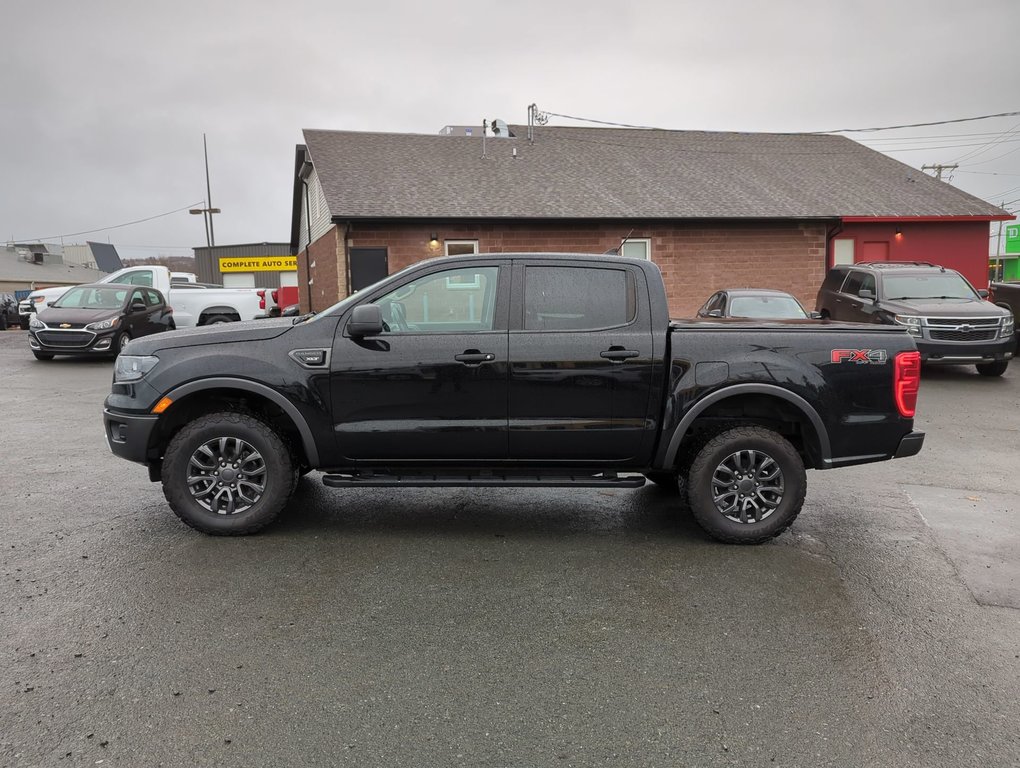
{"type": "Point", "coordinates": [860, 356]}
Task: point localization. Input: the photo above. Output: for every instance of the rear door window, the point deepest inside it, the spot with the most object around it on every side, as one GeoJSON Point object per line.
{"type": "Point", "coordinates": [577, 298]}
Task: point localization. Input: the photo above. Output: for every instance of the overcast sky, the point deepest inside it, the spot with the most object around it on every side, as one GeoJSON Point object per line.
{"type": "Point", "coordinates": [105, 103]}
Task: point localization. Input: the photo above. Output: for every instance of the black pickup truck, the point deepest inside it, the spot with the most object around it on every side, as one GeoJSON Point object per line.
{"type": "Point", "coordinates": [512, 370]}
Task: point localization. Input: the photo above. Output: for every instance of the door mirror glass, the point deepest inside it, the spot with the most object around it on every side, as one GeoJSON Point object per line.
{"type": "Point", "coordinates": [983, 293]}
{"type": "Point", "coordinates": [714, 313]}
{"type": "Point", "coordinates": [366, 320]}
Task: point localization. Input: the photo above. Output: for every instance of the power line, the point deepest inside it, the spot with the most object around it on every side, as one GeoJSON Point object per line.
{"type": "Point", "coordinates": [837, 130]}
{"type": "Point", "coordinates": [104, 229]}
{"type": "Point", "coordinates": [922, 125]}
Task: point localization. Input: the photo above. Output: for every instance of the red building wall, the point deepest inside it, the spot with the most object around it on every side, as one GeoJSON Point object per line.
{"type": "Point", "coordinates": [696, 259]}
{"type": "Point", "coordinates": [959, 245]}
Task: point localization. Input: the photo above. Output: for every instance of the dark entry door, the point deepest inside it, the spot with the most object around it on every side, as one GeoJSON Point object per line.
{"type": "Point", "coordinates": [581, 362]}
{"type": "Point", "coordinates": [368, 266]}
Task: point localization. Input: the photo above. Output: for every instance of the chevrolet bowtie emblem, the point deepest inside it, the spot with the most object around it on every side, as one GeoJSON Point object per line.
{"type": "Point", "coordinates": [65, 325]}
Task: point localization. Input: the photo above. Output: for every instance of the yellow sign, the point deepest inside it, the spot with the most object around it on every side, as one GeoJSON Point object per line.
{"type": "Point", "coordinates": [258, 263]}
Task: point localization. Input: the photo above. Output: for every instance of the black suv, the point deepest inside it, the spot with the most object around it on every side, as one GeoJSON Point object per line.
{"type": "Point", "coordinates": [950, 321]}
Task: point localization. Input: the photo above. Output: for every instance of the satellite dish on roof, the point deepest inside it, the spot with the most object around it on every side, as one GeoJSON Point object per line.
{"type": "Point", "coordinates": [500, 129]}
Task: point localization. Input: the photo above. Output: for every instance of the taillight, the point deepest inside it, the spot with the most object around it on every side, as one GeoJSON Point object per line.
{"type": "Point", "coordinates": [262, 299]}
{"type": "Point", "coordinates": [276, 297]}
{"type": "Point", "coordinates": [907, 382]}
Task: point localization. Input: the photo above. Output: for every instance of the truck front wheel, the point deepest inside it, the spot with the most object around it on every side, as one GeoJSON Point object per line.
{"type": "Point", "coordinates": [746, 485]}
{"type": "Point", "coordinates": [227, 474]}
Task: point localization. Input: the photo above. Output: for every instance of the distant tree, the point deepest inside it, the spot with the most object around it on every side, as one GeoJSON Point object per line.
{"type": "Point", "coordinates": [173, 263]}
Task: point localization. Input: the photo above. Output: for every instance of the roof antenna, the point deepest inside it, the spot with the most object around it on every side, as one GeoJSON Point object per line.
{"type": "Point", "coordinates": [616, 251]}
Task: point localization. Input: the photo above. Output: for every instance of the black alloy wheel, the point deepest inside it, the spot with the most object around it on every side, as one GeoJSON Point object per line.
{"type": "Point", "coordinates": [228, 474]}
{"type": "Point", "coordinates": [746, 485]}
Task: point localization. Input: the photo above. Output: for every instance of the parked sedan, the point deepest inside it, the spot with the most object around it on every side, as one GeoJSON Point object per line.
{"type": "Point", "coordinates": [98, 319]}
{"type": "Point", "coordinates": [758, 303]}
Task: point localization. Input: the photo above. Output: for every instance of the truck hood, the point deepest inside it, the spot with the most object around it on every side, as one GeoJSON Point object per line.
{"type": "Point", "coordinates": [222, 333]}
{"type": "Point", "coordinates": [943, 307]}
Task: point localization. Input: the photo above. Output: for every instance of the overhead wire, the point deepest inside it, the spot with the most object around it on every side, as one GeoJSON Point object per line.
{"type": "Point", "coordinates": [104, 229]}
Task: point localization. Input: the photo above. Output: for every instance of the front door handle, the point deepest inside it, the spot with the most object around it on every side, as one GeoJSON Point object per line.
{"type": "Point", "coordinates": [474, 357]}
{"type": "Point", "coordinates": [619, 354]}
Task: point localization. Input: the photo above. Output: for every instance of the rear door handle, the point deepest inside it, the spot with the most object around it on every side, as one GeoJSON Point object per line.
{"type": "Point", "coordinates": [619, 354]}
{"type": "Point", "coordinates": [474, 357]}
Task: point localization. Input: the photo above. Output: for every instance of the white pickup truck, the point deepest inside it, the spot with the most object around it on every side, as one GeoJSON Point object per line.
{"type": "Point", "coordinates": [193, 303]}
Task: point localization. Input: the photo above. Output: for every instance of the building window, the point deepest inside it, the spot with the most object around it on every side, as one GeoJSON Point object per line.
{"type": "Point", "coordinates": [460, 247]}
{"type": "Point", "coordinates": [637, 248]}
{"type": "Point", "coordinates": [842, 251]}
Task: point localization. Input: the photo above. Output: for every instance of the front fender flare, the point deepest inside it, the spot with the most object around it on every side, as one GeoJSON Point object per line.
{"type": "Point", "coordinates": [246, 385]}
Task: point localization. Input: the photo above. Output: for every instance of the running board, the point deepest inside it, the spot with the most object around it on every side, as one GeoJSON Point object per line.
{"type": "Point", "coordinates": [482, 480]}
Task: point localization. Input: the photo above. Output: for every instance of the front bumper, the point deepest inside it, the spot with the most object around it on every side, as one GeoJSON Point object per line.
{"type": "Point", "coordinates": [936, 353]}
{"type": "Point", "coordinates": [129, 434]}
{"type": "Point", "coordinates": [910, 445]}
{"type": "Point", "coordinates": [76, 341]}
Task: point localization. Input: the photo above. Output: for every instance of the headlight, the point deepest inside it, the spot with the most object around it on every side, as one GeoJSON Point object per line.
{"type": "Point", "coordinates": [912, 323]}
{"type": "Point", "coordinates": [36, 324]}
{"type": "Point", "coordinates": [133, 367]}
{"type": "Point", "coordinates": [102, 325]}
{"type": "Point", "coordinates": [1008, 326]}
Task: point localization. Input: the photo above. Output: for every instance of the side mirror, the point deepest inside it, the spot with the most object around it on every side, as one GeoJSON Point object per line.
{"type": "Point", "coordinates": [815, 315]}
{"type": "Point", "coordinates": [366, 320]}
{"type": "Point", "coordinates": [864, 293]}
{"type": "Point", "coordinates": [983, 293]}
{"type": "Point", "coordinates": [714, 313]}
{"type": "Point", "coordinates": [137, 306]}
{"type": "Point", "coordinates": [50, 303]}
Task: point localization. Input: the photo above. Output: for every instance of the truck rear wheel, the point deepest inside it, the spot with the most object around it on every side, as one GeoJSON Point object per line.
{"type": "Point", "coordinates": [227, 474]}
{"type": "Point", "coordinates": [746, 485]}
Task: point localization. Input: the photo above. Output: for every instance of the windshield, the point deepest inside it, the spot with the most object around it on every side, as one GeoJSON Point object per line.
{"type": "Point", "coordinates": [777, 307]}
{"type": "Point", "coordinates": [943, 285]}
{"type": "Point", "coordinates": [93, 297]}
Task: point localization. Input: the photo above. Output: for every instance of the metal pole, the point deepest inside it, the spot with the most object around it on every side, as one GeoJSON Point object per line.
{"type": "Point", "coordinates": [208, 193]}
{"type": "Point", "coordinates": [205, 219]}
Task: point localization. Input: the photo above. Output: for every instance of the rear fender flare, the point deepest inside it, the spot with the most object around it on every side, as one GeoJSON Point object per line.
{"type": "Point", "coordinates": [794, 399]}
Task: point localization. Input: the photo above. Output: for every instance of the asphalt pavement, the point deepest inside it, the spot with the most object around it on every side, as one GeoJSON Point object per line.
{"type": "Point", "coordinates": [562, 627]}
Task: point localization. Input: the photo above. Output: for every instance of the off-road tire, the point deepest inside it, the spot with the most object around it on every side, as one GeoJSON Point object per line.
{"type": "Point", "coordinates": [715, 451]}
{"type": "Point", "coordinates": [280, 476]}
{"type": "Point", "coordinates": [992, 369]}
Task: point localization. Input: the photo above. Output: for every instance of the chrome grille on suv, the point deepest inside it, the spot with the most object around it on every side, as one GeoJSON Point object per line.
{"type": "Point", "coordinates": [972, 321]}
{"type": "Point", "coordinates": [974, 334]}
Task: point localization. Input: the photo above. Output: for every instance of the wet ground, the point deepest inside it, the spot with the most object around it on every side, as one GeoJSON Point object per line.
{"type": "Point", "coordinates": [507, 628]}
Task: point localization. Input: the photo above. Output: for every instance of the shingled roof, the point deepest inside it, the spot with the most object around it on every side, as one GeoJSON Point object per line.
{"type": "Point", "coordinates": [602, 173]}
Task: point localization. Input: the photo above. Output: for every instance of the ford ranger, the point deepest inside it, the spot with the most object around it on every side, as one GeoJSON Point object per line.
{"type": "Point", "coordinates": [513, 370]}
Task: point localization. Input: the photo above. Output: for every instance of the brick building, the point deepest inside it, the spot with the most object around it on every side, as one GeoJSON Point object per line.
{"type": "Point", "coordinates": [713, 210]}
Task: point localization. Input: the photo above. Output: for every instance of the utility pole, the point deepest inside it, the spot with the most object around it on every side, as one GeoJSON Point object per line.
{"type": "Point", "coordinates": [208, 193]}
{"type": "Point", "coordinates": [939, 168]}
